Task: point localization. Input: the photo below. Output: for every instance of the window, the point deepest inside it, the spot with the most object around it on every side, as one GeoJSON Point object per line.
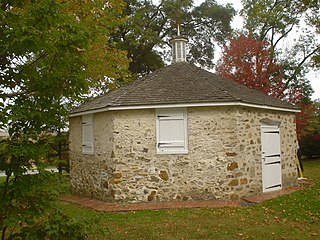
{"type": "Point", "coordinates": [87, 134]}
{"type": "Point", "coordinates": [179, 49]}
{"type": "Point", "coordinates": [172, 131]}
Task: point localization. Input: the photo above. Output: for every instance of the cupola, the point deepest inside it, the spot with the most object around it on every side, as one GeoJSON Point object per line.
{"type": "Point", "coordinates": [178, 45]}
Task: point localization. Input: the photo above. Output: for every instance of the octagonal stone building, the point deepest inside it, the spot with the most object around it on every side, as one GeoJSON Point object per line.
{"type": "Point", "coordinates": [182, 133]}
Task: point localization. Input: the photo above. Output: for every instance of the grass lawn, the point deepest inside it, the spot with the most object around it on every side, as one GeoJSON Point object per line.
{"type": "Point", "coordinates": [295, 216]}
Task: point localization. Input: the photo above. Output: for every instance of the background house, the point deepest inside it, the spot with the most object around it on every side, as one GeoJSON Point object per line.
{"type": "Point", "coordinates": [182, 133]}
{"type": "Point", "coordinates": [4, 135]}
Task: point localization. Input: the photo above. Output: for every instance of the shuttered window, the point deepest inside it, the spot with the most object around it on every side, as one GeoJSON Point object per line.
{"type": "Point", "coordinates": [87, 134]}
{"type": "Point", "coordinates": [172, 131]}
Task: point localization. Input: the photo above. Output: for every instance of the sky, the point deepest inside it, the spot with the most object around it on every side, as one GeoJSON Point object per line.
{"type": "Point", "coordinates": [314, 77]}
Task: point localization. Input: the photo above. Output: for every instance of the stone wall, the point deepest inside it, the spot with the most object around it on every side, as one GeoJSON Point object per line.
{"type": "Point", "coordinates": [90, 174]}
{"type": "Point", "coordinates": [249, 161]}
{"type": "Point", "coordinates": [224, 159]}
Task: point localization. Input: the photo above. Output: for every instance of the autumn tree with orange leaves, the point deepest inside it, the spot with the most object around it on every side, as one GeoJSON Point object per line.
{"type": "Point", "coordinates": [250, 62]}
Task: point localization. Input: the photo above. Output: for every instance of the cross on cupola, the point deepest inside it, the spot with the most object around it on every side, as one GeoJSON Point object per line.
{"type": "Point", "coordinates": [178, 45]}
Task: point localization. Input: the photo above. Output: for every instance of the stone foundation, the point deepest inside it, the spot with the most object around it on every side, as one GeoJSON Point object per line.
{"type": "Point", "coordinates": [223, 162]}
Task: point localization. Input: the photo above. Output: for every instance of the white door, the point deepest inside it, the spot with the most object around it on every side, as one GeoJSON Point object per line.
{"type": "Point", "coordinates": [271, 158]}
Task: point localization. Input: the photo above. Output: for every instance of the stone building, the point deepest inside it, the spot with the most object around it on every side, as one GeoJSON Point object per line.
{"type": "Point", "coordinates": [182, 133]}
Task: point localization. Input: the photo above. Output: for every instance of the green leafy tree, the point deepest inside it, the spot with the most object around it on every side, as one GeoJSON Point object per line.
{"type": "Point", "coordinates": [292, 28]}
{"type": "Point", "coordinates": [311, 8]}
{"type": "Point", "coordinates": [274, 21]}
{"type": "Point", "coordinates": [52, 54]}
{"type": "Point", "coordinates": [149, 27]}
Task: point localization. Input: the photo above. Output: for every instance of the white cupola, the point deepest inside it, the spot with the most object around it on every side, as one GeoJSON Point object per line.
{"type": "Point", "coordinates": [178, 45]}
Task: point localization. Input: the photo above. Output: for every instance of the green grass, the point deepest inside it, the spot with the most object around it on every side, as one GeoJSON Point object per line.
{"type": "Point", "coordinates": [294, 216]}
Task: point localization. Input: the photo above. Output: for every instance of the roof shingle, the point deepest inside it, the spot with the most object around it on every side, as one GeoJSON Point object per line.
{"type": "Point", "coordinates": [181, 83]}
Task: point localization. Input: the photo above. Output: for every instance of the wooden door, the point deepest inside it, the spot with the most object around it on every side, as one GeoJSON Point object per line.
{"type": "Point", "coordinates": [271, 158]}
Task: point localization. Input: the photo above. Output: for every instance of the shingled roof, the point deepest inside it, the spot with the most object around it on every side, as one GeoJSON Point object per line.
{"type": "Point", "coordinates": [182, 83]}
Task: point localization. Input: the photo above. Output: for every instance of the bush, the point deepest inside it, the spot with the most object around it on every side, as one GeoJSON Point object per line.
{"type": "Point", "coordinates": [55, 225]}
{"type": "Point", "coordinates": [310, 146]}
{"type": "Point", "coordinates": [28, 209]}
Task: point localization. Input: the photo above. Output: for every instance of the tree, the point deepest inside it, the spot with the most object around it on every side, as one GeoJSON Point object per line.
{"type": "Point", "coordinates": [149, 27]}
{"type": "Point", "coordinates": [59, 154]}
{"type": "Point", "coordinates": [309, 135]}
{"type": "Point", "coordinates": [52, 53]}
{"type": "Point", "coordinates": [251, 63]}
{"type": "Point", "coordinates": [51, 44]}
{"type": "Point", "coordinates": [274, 21]}
{"type": "Point", "coordinates": [292, 28]}
{"type": "Point", "coordinates": [304, 118]}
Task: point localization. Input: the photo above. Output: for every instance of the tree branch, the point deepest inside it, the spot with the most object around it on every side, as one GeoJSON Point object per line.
{"type": "Point", "coordinates": [263, 31]}
{"type": "Point", "coordinates": [157, 10]}
{"type": "Point", "coordinates": [10, 95]}
{"type": "Point", "coordinates": [44, 54]}
{"type": "Point", "coordinates": [54, 58]}
{"type": "Point", "coordinates": [3, 5]}
{"type": "Point", "coordinates": [283, 35]}
{"type": "Point", "coordinates": [297, 69]}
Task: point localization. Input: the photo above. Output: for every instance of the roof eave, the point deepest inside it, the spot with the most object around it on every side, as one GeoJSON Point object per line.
{"type": "Point", "coordinates": [179, 105]}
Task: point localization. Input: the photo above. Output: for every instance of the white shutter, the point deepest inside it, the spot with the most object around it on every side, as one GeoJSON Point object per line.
{"type": "Point", "coordinates": [87, 134]}
{"type": "Point", "coordinates": [271, 141]}
{"type": "Point", "coordinates": [171, 131]}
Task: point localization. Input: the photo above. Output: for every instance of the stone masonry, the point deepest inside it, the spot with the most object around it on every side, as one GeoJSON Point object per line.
{"type": "Point", "coordinates": [223, 162]}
